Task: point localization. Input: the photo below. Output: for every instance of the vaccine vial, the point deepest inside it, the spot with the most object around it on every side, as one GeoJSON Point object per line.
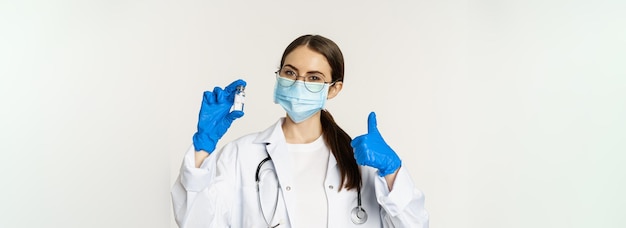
{"type": "Point", "coordinates": [240, 98]}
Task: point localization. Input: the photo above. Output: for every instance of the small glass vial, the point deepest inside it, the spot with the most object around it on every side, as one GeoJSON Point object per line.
{"type": "Point", "coordinates": [240, 99]}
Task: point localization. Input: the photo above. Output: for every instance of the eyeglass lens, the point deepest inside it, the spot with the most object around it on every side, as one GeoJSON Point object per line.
{"type": "Point", "coordinates": [288, 77]}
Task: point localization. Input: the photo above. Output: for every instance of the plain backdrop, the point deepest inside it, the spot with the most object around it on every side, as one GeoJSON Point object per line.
{"type": "Point", "coordinates": [507, 113]}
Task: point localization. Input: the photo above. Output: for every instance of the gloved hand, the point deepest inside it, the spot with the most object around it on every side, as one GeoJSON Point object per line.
{"type": "Point", "coordinates": [215, 116]}
{"type": "Point", "coordinates": [371, 150]}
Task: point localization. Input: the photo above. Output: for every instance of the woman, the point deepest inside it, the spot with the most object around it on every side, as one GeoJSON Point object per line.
{"type": "Point", "coordinates": [303, 171]}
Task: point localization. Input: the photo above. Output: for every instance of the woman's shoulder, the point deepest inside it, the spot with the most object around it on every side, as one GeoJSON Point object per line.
{"type": "Point", "coordinates": [261, 137]}
{"type": "Point", "coordinates": [230, 151]}
{"type": "Point", "coordinates": [246, 139]}
{"type": "Point", "coordinates": [256, 140]}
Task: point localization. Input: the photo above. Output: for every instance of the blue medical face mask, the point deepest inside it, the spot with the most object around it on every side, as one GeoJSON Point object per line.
{"type": "Point", "coordinates": [297, 100]}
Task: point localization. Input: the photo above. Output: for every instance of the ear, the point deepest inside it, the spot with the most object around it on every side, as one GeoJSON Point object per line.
{"type": "Point", "coordinates": [334, 90]}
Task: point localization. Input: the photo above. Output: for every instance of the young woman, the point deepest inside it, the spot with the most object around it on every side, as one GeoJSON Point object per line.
{"type": "Point", "coordinates": [303, 171]}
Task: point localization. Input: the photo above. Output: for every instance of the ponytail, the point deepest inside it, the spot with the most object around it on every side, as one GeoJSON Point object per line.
{"type": "Point", "coordinates": [339, 143]}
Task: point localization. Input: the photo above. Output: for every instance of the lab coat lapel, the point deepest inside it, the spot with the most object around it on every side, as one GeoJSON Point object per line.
{"type": "Point", "coordinates": [276, 146]}
{"type": "Point", "coordinates": [331, 171]}
{"type": "Point", "coordinates": [282, 163]}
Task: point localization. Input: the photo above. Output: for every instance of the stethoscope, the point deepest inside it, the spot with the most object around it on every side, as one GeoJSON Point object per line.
{"type": "Point", "coordinates": [358, 215]}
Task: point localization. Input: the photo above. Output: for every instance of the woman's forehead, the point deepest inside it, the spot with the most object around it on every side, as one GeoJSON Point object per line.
{"type": "Point", "coordinates": [304, 60]}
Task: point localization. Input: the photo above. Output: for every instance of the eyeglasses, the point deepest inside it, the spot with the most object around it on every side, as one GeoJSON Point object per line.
{"type": "Point", "coordinates": [313, 82]}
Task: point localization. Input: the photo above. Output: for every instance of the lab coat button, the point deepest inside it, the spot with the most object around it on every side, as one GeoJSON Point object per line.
{"type": "Point", "coordinates": [330, 186]}
{"type": "Point", "coordinates": [288, 188]}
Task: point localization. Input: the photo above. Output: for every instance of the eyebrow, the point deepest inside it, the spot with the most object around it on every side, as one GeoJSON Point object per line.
{"type": "Point", "coordinates": [295, 68]}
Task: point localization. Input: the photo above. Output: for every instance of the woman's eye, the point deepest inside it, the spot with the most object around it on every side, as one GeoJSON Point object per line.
{"type": "Point", "coordinates": [315, 78]}
{"type": "Point", "coordinates": [290, 72]}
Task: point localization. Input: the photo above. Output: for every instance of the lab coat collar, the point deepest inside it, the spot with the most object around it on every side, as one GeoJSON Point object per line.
{"type": "Point", "coordinates": [274, 135]}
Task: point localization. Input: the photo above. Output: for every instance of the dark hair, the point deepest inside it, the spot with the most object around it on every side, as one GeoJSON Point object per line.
{"type": "Point", "coordinates": [335, 137]}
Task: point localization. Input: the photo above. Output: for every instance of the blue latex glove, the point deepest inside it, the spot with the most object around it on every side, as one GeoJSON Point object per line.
{"type": "Point", "coordinates": [371, 150]}
{"type": "Point", "coordinates": [215, 116]}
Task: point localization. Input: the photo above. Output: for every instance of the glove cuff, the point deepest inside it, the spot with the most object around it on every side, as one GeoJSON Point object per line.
{"type": "Point", "coordinates": [203, 143]}
{"type": "Point", "coordinates": [391, 168]}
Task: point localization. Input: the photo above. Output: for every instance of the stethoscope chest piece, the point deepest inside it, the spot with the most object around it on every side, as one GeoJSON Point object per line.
{"type": "Point", "coordinates": [358, 215]}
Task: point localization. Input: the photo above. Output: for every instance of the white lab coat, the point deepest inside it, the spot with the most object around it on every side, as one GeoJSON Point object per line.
{"type": "Point", "coordinates": [222, 192]}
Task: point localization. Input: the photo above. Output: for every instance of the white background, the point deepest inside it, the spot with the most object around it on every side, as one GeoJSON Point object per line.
{"type": "Point", "coordinates": [507, 113]}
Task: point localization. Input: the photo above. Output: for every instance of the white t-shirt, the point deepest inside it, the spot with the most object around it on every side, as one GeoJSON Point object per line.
{"type": "Point", "coordinates": [310, 162]}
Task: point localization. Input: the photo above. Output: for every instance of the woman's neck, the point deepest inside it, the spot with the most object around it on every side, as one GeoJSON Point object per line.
{"type": "Point", "coordinates": [304, 132]}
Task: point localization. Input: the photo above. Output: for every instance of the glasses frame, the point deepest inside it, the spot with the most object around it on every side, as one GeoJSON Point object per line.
{"type": "Point", "coordinates": [304, 81]}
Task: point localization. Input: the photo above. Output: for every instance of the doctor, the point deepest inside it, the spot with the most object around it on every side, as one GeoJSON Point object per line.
{"type": "Point", "coordinates": [304, 170]}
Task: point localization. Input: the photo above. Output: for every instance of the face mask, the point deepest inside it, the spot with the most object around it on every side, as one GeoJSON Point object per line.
{"type": "Point", "coordinates": [298, 101]}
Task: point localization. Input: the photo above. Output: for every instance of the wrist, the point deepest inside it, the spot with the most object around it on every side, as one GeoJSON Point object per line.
{"type": "Point", "coordinates": [391, 179]}
{"type": "Point", "coordinates": [199, 157]}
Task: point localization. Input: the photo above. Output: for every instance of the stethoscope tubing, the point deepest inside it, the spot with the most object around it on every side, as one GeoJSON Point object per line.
{"type": "Point", "coordinates": [258, 190]}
